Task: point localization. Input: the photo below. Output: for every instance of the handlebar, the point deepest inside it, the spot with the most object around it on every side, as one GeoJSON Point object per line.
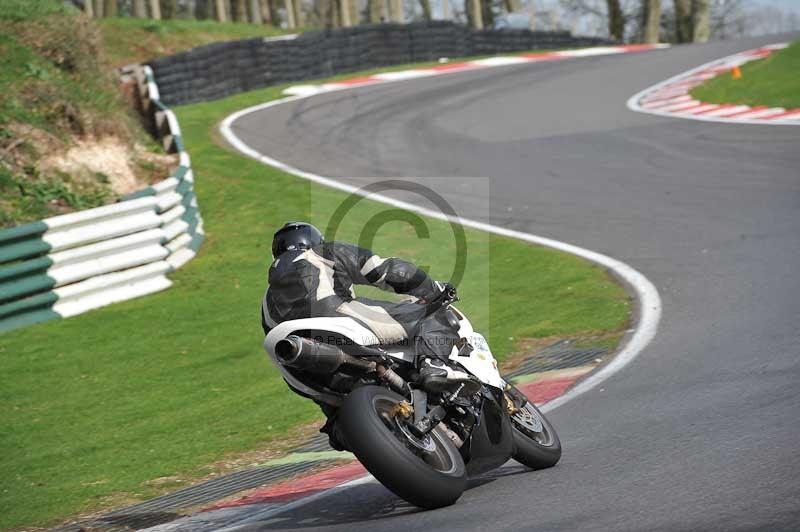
{"type": "Point", "coordinates": [448, 296]}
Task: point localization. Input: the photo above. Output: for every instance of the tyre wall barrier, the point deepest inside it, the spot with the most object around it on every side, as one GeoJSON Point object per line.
{"type": "Point", "coordinates": [69, 264]}
{"type": "Point", "coordinates": [220, 69]}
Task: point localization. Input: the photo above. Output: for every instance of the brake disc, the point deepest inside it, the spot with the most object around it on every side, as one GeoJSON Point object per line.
{"type": "Point", "coordinates": [424, 444]}
{"type": "Point", "coordinates": [529, 420]}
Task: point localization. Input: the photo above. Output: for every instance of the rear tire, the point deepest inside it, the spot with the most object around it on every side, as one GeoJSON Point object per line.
{"type": "Point", "coordinates": [378, 443]}
{"type": "Point", "coordinates": [535, 449]}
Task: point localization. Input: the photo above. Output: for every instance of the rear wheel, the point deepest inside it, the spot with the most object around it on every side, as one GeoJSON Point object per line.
{"type": "Point", "coordinates": [536, 443]}
{"type": "Point", "coordinates": [427, 472]}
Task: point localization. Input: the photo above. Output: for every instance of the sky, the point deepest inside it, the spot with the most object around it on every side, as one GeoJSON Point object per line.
{"type": "Point", "coordinates": [794, 5]}
{"type": "Point", "coordinates": [589, 25]}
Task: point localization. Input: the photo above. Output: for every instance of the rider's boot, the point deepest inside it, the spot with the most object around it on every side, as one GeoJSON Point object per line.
{"type": "Point", "coordinates": [435, 374]}
{"type": "Point", "coordinates": [335, 439]}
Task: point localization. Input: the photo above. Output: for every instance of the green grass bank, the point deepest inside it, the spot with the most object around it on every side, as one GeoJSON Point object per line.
{"type": "Point", "coordinates": [68, 139]}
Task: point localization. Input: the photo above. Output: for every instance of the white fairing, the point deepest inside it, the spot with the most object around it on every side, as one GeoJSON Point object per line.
{"type": "Point", "coordinates": [480, 362]}
{"type": "Point", "coordinates": [346, 327]}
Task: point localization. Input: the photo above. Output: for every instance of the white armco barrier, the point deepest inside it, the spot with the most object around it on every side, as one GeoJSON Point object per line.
{"type": "Point", "coordinates": [73, 263]}
{"type": "Point", "coordinates": [112, 288]}
{"type": "Point", "coordinates": [109, 228]}
{"type": "Point", "coordinates": [93, 216]}
{"type": "Point", "coordinates": [107, 247]}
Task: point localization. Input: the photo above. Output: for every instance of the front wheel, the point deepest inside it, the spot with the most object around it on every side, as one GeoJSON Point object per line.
{"type": "Point", "coordinates": [536, 443]}
{"type": "Point", "coordinates": [428, 473]}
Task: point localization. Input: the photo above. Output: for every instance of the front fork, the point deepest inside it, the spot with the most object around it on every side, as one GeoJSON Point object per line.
{"type": "Point", "coordinates": [515, 400]}
{"type": "Point", "coordinates": [424, 421]}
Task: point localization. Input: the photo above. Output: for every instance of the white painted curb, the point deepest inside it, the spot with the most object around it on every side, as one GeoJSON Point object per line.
{"type": "Point", "coordinates": [671, 97]}
{"type": "Point", "coordinates": [475, 64]}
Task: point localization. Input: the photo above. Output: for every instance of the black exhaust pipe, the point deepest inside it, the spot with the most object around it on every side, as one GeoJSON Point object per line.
{"type": "Point", "coordinates": [307, 355]}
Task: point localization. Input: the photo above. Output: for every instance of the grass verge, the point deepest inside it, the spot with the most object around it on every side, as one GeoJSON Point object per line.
{"type": "Point", "coordinates": [772, 81]}
{"type": "Point", "coordinates": [98, 405]}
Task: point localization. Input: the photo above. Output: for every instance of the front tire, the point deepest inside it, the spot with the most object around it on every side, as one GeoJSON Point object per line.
{"type": "Point", "coordinates": [536, 443]}
{"type": "Point", "coordinates": [428, 479]}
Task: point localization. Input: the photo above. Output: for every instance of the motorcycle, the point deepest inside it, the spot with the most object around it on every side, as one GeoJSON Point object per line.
{"type": "Point", "coordinates": [420, 438]}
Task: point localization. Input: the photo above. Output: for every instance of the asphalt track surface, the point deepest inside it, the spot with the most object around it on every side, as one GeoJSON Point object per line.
{"type": "Point", "coordinates": [701, 431]}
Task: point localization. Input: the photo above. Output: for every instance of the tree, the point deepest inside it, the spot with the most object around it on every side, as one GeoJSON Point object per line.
{"type": "Point", "coordinates": [155, 9]}
{"type": "Point", "coordinates": [693, 18]}
{"type": "Point", "coordinates": [291, 20]}
{"type": "Point", "coordinates": [475, 15]}
{"type": "Point", "coordinates": [88, 8]}
{"type": "Point", "coordinates": [511, 5]}
{"type": "Point", "coordinates": [299, 15]}
{"type": "Point", "coordinates": [254, 12]}
{"type": "Point", "coordinates": [396, 11]}
{"type": "Point", "coordinates": [110, 8]}
{"type": "Point", "coordinates": [269, 12]}
{"type": "Point", "coordinates": [344, 13]}
{"type": "Point", "coordinates": [355, 12]}
{"type": "Point", "coordinates": [651, 21]}
{"type": "Point", "coordinates": [335, 14]}
{"type": "Point", "coordinates": [264, 11]}
{"type": "Point", "coordinates": [487, 14]}
{"type": "Point", "coordinates": [683, 20]}
{"type": "Point", "coordinates": [201, 9]}
{"type": "Point", "coordinates": [219, 11]}
{"type": "Point", "coordinates": [99, 8]}
{"type": "Point", "coordinates": [426, 9]}
{"type": "Point", "coordinates": [239, 10]}
{"type": "Point", "coordinates": [616, 20]}
{"type": "Point", "coordinates": [169, 8]}
{"type": "Point", "coordinates": [139, 9]}
{"type": "Point", "coordinates": [375, 11]}
{"type": "Point", "coordinates": [701, 19]}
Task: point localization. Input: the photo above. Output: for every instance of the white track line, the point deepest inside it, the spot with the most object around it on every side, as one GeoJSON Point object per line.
{"type": "Point", "coordinates": [649, 311]}
{"type": "Point", "coordinates": [649, 302]}
{"type": "Point", "coordinates": [642, 101]}
{"type": "Point", "coordinates": [648, 299]}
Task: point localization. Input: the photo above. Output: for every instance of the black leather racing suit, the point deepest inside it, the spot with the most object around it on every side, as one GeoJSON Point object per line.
{"type": "Point", "coordinates": [319, 283]}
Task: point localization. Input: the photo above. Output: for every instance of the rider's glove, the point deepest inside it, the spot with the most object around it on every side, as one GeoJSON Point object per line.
{"type": "Point", "coordinates": [447, 292]}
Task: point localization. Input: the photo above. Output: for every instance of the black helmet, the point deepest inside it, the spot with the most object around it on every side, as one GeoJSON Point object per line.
{"type": "Point", "coordinates": [295, 235]}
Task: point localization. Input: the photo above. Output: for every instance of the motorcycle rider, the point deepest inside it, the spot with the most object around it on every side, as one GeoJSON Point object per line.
{"type": "Point", "coordinates": [313, 278]}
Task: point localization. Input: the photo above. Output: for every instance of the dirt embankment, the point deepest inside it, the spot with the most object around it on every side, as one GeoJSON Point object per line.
{"type": "Point", "coordinates": [68, 139]}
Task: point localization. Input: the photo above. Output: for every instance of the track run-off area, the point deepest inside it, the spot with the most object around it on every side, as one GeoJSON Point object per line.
{"type": "Point", "coordinates": [699, 431]}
